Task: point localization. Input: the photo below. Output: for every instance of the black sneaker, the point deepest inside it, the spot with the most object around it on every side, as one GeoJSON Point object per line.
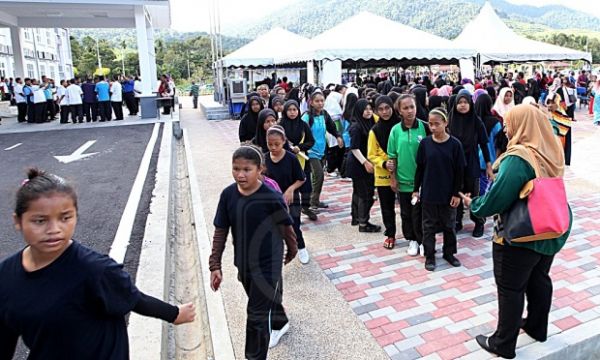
{"type": "Point", "coordinates": [484, 342]}
{"type": "Point", "coordinates": [478, 231]}
{"type": "Point", "coordinates": [459, 226]}
{"type": "Point", "coordinates": [369, 228]}
{"type": "Point", "coordinates": [311, 214]}
{"type": "Point", "coordinates": [322, 205]}
{"type": "Point", "coordinates": [452, 260]}
{"type": "Point", "coordinates": [430, 264]}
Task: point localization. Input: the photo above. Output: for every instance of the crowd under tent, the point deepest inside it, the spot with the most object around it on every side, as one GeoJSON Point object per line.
{"type": "Point", "coordinates": [495, 42]}
{"type": "Point", "coordinates": [348, 45]}
{"type": "Point", "coordinates": [262, 51]}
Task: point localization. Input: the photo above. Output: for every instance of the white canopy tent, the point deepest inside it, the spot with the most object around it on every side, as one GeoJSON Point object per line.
{"type": "Point", "coordinates": [496, 42]}
{"type": "Point", "coordinates": [264, 49]}
{"type": "Point", "coordinates": [350, 43]}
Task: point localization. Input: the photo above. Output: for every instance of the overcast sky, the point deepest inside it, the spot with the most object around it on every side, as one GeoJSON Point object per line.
{"type": "Point", "coordinates": [192, 15]}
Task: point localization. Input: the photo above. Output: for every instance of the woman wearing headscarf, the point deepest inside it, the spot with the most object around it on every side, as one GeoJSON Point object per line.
{"type": "Point", "coordinates": [504, 102]}
{"type": "Point", "coordinates": [359, 168]}
{"type": "Point", "coordinates": [247, 128]}
{"type": "Point", "coordinates": [493, 128]}
{"type": "Point", "coordinates": [445, 90]}
{"type": "Point", "coordinates": [300, 140]}
{"type": "Point", "coordinates": [276, 104]}
{"type": "Point", "coordinates": [420, 94]}
{"type": "Point", "coordinates": [560, 122]}
{"type": "Point", "coordinates": [521, 268]}
{"type": "Point", "coordinates": [294, 94]}
{"type": "Point", "coordinates": [266, 119]}
{"type": "Point", "coordinates": [568, 93]}
{"type": "Point", "coordinates": [377, 155]}
{"type": "Point", "coordinates": [491, 90]}
{"type": "Point", "coordinates": [468, 128]}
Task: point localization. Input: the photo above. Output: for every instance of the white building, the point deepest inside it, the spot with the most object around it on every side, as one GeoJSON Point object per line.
{"type": "Point", "coordinates": [45, 52]}
{"type": "Point", "coordinates": [143, 15]}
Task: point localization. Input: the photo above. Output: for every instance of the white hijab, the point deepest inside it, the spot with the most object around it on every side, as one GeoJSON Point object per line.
{"type": "Point", "coordinates": [500, 107]}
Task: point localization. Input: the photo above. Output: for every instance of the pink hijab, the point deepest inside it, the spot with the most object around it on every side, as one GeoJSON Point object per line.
{"type": "Point", "coordinates": [445, 90]}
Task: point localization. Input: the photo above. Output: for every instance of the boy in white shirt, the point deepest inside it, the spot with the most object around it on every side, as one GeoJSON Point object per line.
{"type": "Point", "coordinates": [63, 101]}
{"type": "Point", "coordinates": [74, 94]}
{"type": "Point", "coordinates": [116, 98]}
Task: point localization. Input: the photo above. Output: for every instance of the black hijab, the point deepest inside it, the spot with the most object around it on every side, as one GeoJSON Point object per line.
{"type": "Point", "coordinates": [383, 127]}
{"type": "Point", "coordinates": [491, 92]}
{"type": "Point", "coordinates": [435, 101]}
{"type": "Point", "coordinates": [351, 100]}
{"type": "Point", "coordinates": [387, 87]}
{"type": "Point", "coordinates": [456, 89]}
{"type": "Point", "coordinates": [250, 119]}
{"type": "Point", "coordinates": [483, 109]}
{"type": "Point", "coordinates": [464, 126]}
{"type": "Point", "coordinates": [260, 138]}
{"type": "Point", "coordinates": [420, 94]}
{"type": "Point", "coordinates": [294, 128]}
{"type": "Point", "coordinates": [365, 125]}
{"type": "Point", "coordinates": [294, 94]}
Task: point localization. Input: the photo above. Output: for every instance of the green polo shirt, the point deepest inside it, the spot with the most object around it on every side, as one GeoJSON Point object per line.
{"type": "Point", "coordinates": [402, 146]}
{"type": "Point", "coordinates": [513, 174]}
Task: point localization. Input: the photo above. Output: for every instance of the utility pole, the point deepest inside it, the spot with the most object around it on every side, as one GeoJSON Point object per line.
{"type": "Point", "coordinates": [98, 55]}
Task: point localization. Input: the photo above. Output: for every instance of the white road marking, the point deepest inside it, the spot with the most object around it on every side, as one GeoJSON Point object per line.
{"type": "Point", "coordinates": [77, 154]}
{"type": "Point", "coordinates": [13, 147]}
{"type": "Point", "coordinates": [121, 240]}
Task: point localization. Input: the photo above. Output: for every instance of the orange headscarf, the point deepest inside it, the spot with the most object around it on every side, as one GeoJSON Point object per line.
{"type": "Point", "coordinates": [534, 141]}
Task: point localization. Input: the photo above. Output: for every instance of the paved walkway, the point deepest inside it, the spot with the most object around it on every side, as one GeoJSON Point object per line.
{"type": "Point", "coordinates": [356, 300]}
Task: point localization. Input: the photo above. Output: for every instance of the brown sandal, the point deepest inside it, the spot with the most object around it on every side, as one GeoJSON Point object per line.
{"type": "Point", "coordinates": [389, 243]}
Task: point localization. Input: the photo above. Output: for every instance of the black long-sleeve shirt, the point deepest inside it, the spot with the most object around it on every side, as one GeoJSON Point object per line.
{"type": "Point", "coordinates": [440, 170]}
{"type": "Point", "coordinates": [73, 308]}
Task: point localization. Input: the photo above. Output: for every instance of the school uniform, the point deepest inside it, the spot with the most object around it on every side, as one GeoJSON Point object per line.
{"type": "Point", "coordinates": [21, 103]}
{"type": "Point", "coordinates": [28, 93]}
{"type": "Point", "coordinates": [320, 125]}
{"type": "Point", "coordinates": [63, 101]}
{"type": "Point", "coordinates": [299, 134]}
{"type": "Point", "coordinates": [103, 94]}
{"type": "Point", "coordinates": [439, 176]}
{"type": "Point", "coordinates": [90, 101]}
{"type": "Point", "coordinates": [39, 98]}
{"type": "Point", "coordinates": [387, 198]}
{"type": "Point", "coordinates": [256, 222]}
{"type": "Point", "coordinates": [74, 308]}
{"type": "Point", "coordinates": [50, 110]}
{"type": "Point", "coordinates": [116, 99]}
{"type": "Point", "coordinates": [403, 145]}
{"type": "Point", "coordinates": [74, 93]}
{"type": "Point", "coordinates": [128, 96]}
{"type": "Point", "coordinates": [363, 188]}
{"type": "Point", "coordinates": [286, 172]}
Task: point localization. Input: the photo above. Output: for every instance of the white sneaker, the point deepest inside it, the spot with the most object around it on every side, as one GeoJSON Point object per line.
{"type": "Point", "coordinates": [303, 256]}
{"type": "Point", "coordinates": [422, 250]}
{"type": "Point", "coordinates": [413, 248]}
{"type": "Point", "coordinates": [277, 334]}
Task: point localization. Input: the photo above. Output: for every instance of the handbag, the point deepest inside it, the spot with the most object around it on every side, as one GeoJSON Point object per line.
{"type": "Point", "coordinates": [540, 213]}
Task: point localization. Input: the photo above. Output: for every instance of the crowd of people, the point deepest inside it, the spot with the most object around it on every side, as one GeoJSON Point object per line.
{"type": "Point", "coordinates": [71, 101]}
{"type": "Point", "coordinates": [435, 147]}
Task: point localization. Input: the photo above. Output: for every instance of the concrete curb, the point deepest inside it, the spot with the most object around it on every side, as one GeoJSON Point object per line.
{"type": "Point", "coordinates": [152, 271]}
{"type": "Point", "coordinates": [219, 329]}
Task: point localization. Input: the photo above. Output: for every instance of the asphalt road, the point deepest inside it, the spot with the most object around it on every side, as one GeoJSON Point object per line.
{"type": "Point", "coordinates": [103, 182]}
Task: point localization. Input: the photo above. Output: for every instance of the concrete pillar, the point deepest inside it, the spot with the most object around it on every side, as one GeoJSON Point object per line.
{"type": "Point", "coordinates": [151, 53]}
{"type": "Point", "coordinates": [310, 72]}
{"type": "Point", "coordinates": [16, 37]}
{"type": "Point", "coordinates": [148, 106]}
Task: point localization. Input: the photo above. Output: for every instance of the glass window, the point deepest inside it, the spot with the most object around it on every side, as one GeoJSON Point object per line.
{"type": "Point", "coordinates": [30, 71]}
{"type": "Point", "coordinates": [42, 70]}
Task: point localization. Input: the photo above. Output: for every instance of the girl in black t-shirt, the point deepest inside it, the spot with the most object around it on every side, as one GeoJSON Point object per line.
{"type": "Point", "coordinates": [285, 169]}
{"type": "Point", "coordinates": [64, 299]}
{"type": "Point", "coordinates": [259, 223]}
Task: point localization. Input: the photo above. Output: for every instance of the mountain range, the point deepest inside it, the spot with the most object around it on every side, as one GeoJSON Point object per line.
{"type": "Point", "coordinates": [443, 18]}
